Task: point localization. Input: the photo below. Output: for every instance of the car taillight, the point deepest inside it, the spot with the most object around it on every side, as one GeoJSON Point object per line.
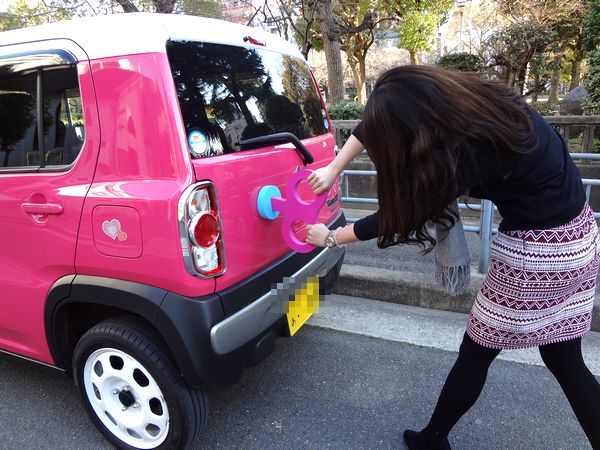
{"type": "Point", "coordinates": [200, 226]}
{"type": "Point", "coordinates": [204, 229]}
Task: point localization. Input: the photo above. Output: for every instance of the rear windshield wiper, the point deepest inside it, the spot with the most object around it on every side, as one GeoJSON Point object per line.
{"type": "Point", "coordinates": [276, 138]}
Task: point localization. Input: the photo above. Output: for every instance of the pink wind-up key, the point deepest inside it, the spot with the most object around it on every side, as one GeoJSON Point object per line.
{"type": "Point", "coordinates": [270, 204]}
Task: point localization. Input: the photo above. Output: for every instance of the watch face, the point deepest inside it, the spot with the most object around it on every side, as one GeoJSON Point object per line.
{"type": "Point", "coordinates": [329, 242]}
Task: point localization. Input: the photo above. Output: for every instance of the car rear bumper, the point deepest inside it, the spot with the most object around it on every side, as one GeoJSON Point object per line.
{"type": "Point", "coordinates": [213, 347]}
{"type": "Point", "coordinates": [259, 315]}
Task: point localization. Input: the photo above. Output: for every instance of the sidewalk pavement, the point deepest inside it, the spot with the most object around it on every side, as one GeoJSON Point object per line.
{"type": "Point", "coordinates": [402, 275]}
{"type": "Point", "coordinates": [428, 328]}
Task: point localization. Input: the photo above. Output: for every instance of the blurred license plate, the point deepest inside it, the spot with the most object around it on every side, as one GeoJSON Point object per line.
{"type": "Point", "coordinates": [304, 304]}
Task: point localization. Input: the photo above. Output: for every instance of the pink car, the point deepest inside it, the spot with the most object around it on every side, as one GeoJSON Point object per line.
{"type": "Point", "coordinates": [133, 257]}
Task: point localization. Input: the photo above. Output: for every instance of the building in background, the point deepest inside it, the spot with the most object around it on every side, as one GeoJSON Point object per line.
{"type": "Point", "coordinates": [469, 24]}
{"type": "Point", "coordinates": [238, 11]}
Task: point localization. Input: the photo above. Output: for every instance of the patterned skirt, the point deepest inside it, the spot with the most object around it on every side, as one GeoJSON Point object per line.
{"type": "Point", "coordinates": [540, 286]}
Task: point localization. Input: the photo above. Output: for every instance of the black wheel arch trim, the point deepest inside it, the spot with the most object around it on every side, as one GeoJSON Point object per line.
{"type": "Point", "coordinates": [183, 323]}
{"type": "Point", "coordinates": [136, 298]}
{"type": "Point", "coordinates": [60, 291]}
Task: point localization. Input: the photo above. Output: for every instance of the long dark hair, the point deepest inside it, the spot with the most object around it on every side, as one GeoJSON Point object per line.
{"type": "Point", "coordinates": [419, 122]}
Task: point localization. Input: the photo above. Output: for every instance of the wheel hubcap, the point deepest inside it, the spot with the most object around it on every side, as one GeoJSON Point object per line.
{"type": "Point", "coordinates": [126, 398]}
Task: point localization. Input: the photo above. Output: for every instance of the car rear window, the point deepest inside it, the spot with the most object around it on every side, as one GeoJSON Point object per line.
{"type": "Point", "coordinates": [228, 94]}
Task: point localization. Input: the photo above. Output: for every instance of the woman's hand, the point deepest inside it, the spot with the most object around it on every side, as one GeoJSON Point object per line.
{"type": "Point", "coordinates": [316, 234]}
{"type": "Point", "coordinates": [322, 179]}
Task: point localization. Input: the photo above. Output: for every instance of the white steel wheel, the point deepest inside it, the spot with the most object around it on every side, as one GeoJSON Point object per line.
{"type": "Point", "coordinates": [126, 398]}
{"type": "Point", "coordinates": [132, 391]}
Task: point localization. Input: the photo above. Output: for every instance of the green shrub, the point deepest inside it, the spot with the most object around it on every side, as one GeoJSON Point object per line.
{"type": "Point", "coordinates": [346, 111]}
{"type": "Point", "coordinates": [463, 62]}
{"type": "Point", "coordinates": [591, 105]}
{"type": "Point", "coordinates": [576, 144]}
{"type": "Point", "coordinates": [545, 108]}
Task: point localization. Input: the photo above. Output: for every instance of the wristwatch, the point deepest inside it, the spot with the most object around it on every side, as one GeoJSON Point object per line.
{"type": "Point", "coordinates": [330, 240]}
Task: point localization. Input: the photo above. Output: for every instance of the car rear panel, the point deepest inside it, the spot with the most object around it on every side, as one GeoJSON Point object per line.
{"type": "Point", "coordinates": [250, 241]}
{"type": "Point", "coordinates": [229, 94]}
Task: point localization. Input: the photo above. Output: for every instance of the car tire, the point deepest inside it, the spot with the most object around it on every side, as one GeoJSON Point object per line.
{"type": "Point", "coordinates": [132, 391]}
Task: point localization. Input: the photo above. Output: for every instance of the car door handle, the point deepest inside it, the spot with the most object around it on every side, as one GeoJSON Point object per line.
{"type": "Point", "coordinates": [42, 208]}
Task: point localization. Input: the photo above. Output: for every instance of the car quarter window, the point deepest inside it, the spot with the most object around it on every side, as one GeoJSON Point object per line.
{"type": "Point", "coordinates": [34, 99]}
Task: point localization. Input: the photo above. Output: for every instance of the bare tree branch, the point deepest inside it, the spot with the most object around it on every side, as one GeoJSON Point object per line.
{"type": "Point", "coordinates": [127, 6]}
{"type": "Point", "coordinates": [368, 23]}
{"type": "Point", "coordinates": [91, 7]}
{"type": "Point", "coordinates": [257, 10]}
{"type": "Point", "coordinates": [308, 10]}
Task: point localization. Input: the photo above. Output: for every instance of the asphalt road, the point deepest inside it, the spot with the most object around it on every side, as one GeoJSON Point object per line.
{"type": "Point", "coordinates": [321, 389]}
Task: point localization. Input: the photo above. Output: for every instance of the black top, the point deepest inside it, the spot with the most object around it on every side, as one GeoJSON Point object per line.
{"type": "Point", "coordinates": [534, 191]}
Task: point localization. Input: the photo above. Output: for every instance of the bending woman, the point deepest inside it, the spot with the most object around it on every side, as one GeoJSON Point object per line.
{"type": "Point", "coordinates": [434, 135]}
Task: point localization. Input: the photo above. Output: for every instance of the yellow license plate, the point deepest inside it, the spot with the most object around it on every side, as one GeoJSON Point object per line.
{"type": "Point", "coordinates": [304, 304]}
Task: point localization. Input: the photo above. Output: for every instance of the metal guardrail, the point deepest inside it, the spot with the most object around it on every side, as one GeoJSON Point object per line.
{"type": "Point", "coordinates": [486, 207]}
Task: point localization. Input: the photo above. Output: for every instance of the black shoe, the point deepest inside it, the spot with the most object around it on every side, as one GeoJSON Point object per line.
{"type": "Point", "coordinates": [420, 441]}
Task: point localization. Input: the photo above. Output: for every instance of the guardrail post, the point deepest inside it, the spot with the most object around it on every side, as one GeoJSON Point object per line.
{"type": "Point", "coordinates": [588, 139]}
{"type": "Point", "coordinates": [485, 226]}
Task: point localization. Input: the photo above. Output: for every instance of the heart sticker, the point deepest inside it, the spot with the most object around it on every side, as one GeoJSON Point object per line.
{"type": "Point", "coordinates": [113, 230]}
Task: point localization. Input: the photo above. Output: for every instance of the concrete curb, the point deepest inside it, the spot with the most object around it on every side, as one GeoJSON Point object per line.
{"type": "Point", "coordinates": [414, 289]}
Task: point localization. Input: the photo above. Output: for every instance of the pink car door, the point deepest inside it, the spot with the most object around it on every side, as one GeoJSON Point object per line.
{"type": "Point", "coordinates": [47, 155]}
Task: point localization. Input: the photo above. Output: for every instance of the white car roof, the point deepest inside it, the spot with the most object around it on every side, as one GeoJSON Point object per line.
{"type": "Point", "coordinates": [133, 33]}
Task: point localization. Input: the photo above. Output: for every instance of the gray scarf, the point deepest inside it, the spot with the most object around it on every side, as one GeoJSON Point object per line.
{"type": "Point", "coordinates": [452, 260]}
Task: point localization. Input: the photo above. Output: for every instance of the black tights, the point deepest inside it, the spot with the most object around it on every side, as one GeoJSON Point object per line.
{"type": "Point", "coordinates": [467, 377]}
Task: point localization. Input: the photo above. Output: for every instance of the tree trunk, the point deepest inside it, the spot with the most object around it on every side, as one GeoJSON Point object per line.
{"type": "Point", "coordinates": [333, 55]}
{"type": "Point", "coordinates": [576, 72]}
{"type": "Point", "coordinates": [305, 49]}
{"type": "Point", "coordinates": [362, 90]}
{"type": "Point", "coordinates": [553, 97]}
{"type": "Point", "coordinates": [335, 70]}
{"type": "Point", "coordinates": [127, 6]}
{"type": "Point", "coordinates": [306, 44]}
{"type": "Point", "coordinates": [510, 79]}
{"type": "Point", "coordinates": [522, 79]}
{"type": "Point", "coordinates": [164, 6]}
{"type": "Point", "coordinates": [578, 55]}
{"type": "Point", "coordinates": [536, 81]}
{"type": "Point", "coordinates": [414, 58]}
{"type": "Point", "coordinates": [355, 73]}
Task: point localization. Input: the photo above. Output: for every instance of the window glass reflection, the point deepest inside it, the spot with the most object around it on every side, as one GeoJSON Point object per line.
{"type": "Point", "coordinates": [229, 93]}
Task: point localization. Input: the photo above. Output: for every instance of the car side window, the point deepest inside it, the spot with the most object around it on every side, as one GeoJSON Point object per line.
{"type": "Point", "coordinates": [18, 100]}
{"type": "Point", "coordinates": [63, 121]}
{"type": "Point", "coordinates": [59, 115]}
